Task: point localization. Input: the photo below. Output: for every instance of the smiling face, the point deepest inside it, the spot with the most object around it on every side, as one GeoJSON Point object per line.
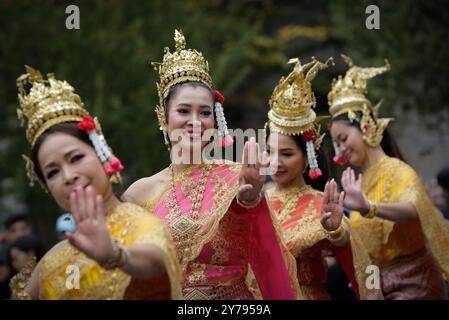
{"type": "Point", "coordinates": [190, 114]}
{"type": "Point", "coordinates": [67, 163]}
{"type": "Point", "coordinates": [350, 141]}
{"type": "Point", "coordinates": [291, 159]}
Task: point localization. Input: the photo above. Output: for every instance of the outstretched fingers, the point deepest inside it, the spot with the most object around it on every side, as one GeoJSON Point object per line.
{"type": "Point", "coordinates": [341, 198]}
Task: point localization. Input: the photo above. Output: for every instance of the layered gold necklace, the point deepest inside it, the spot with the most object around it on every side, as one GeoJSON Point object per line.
{"type": "Point", "coordinates": [184, 226]}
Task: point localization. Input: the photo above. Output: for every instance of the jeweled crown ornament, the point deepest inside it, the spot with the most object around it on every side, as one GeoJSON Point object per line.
{"type": "Point", "coordinates": [348, 93]}
{"type": "Point", "coordinates": [348, 96]}
{"type": "Point", "coordinates": [179, 66]}
{"type": "Point", "coordinates": [292, 101]}
{"type": "Point", "coordinates": [291, 108]}
{"type": "Point", "coordinates": [48, 102]}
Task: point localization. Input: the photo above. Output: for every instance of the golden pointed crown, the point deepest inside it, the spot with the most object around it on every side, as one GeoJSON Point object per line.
{"type": "Point", "coordinates": [348, 96]}
{"type": "Point", "coordinates": [179, 66]}
{"type": "Point", "coordinates": [293, 100]}
{"type": "Point", "coordinates": [48, 102]}
{"type": "Point", "coordinates": [348, 93]}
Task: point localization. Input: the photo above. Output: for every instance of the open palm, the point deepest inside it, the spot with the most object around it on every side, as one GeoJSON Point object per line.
{"type": "Point", "coordinates": [354, 199]}
{"type": "Point", "coordinates": [92, 236]}
{"type": "Point", "coordinates": [332, 208]}
{"type": "Point", "coordinates": [251, 180]}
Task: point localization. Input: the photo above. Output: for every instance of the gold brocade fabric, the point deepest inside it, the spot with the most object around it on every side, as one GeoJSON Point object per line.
{"type": "Point", "coordinates": [298, 212]}
{"type": "Point", "coordinates": [393, 181]}
{"type": "Point", "coordinates": [128, 224]}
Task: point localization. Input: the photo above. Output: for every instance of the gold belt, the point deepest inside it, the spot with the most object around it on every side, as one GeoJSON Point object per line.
{"type": "Point", "coordinates": [238, 290]}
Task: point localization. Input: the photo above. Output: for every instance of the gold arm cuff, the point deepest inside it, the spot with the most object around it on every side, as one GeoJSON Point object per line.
{"type": "Point", "coordinates": [251, 205]}
{"type": "Point", "coordinates": [372, 212]}
{"type": "Point", "coordinates": [338, 235]}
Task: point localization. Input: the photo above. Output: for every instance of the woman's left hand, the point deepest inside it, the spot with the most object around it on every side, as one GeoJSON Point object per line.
{"type": "Point", "coordinates": [251, 180]}
{"type": "Point", "coordinates": [332, 208]}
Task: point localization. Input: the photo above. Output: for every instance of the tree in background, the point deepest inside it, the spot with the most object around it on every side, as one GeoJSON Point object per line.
{"type": "Point", "coordinates": [412, 36]}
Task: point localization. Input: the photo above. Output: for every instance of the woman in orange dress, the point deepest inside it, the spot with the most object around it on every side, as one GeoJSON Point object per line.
{"type": "Point", "coordinates": [312, 222]}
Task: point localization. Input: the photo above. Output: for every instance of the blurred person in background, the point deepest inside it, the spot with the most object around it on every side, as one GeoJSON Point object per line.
{"type": "Point", "coordinates": [5, 272]}
{"type": "Point", "coordinates": [16, 226]}
{"type": "Point", "coordinates": [443, 195]}
{"type": "Point", "coordinates": [23, 250]}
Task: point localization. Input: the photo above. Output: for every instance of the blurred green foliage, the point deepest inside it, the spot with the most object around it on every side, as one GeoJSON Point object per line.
{"type": "Point", "coordinates": [413, 36]}
{"type": "Point", "coordinates": [108, 63]}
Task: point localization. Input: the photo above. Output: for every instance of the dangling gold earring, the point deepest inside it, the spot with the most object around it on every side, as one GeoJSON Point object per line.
{"type": "Point", "coordinates": [167, 142]}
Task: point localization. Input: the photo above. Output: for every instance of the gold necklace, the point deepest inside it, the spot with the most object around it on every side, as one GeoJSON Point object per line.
{"type": "Point", "coordinates": [198, 196]}
{"type": "Point", "coordinates": [184, 226]}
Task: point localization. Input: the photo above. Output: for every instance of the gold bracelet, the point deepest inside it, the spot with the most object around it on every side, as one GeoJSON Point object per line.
{"type": "Point", "coordinates": [337, 235]}
{"type": "Point", "coordinates": [372, 212]}
{"type": "Point", "coordinates": [250, 206]}
{"type": "Point", "coordinates": [113, 262]}
{"type": "Point", "coordinates": [125, 258]}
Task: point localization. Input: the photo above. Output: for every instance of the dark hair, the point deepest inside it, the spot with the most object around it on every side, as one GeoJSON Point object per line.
{"type": "Point", "coordinates": [14, 219]}
{"type": "Point", "coordinates": [443, 178]}
{"type": "Point", "coordinates": [4, 257]}
{"type": "Point", "coordinates": [322, 159]}
{"type": "Point", "coordinates": [388, 143]}
{"type": "Point", "coordinates": [29, 243]}
{"type": "Point", "coordinates": [69, 128]}
{"type": "Point", "coordinates": [188, 83]}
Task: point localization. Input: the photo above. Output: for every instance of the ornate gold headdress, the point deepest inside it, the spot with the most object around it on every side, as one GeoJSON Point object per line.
{"type": "Point", "coordinates": [293, 100]}
{"type": "Point", "coordinates": [179, 66]}
{"type": "Point", "coordinates": [348, 96]}
{"type": "Point", "coordinates": [291, 107]}
{"type": "Point", "coordinates": [51, 102]}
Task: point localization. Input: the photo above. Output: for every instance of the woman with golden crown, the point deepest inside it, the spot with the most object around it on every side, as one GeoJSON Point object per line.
{"type": "Point", "coordinates": [215, 210]}
{"type": "Point", "coordinates": [118, 250]}
{"type": "Point", "coordinates": [312, 222]}
{"type": "Point", "coordinates": [404, 234]}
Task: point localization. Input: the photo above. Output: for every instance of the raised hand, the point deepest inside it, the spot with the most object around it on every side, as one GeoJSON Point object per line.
{"type": "Point", "coordinates": [354, 199]}
{"type": "Point", "coordinates": [332, 208]}
{"type": "Point", "coordinates": [92, 236]}
{"type": "Point", "coordinates": [250, 179]}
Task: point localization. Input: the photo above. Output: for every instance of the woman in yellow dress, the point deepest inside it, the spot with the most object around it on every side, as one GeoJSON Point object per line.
{"type": "Point", "coordinates": [216, 213]}
{"type": "Point", "coordinates": [312, 222]}
{"type": "Point", "coordinates": [403, 232]}
{"type": "Point", "coordinates": [119, 250]}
